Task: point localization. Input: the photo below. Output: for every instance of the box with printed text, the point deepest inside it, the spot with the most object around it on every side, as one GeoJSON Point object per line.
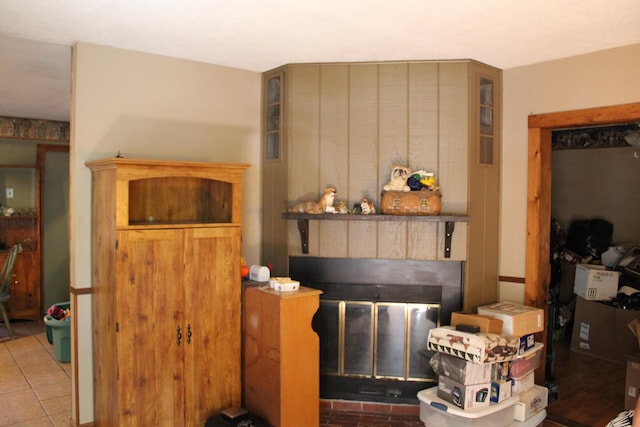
{"type": "Point", "coordinates": [517, 319]}
{"type": "Point", "coordinates": [595, 282]}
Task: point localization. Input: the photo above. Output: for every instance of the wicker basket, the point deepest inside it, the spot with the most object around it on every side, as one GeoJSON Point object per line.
{"type": "Point", "coordinates": [411, 202]}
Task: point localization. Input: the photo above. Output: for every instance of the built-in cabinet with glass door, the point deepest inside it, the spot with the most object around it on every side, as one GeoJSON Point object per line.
{"type": "Point", "coordinates": [20, 223]}
{"type": "Point", "coordinates": [166, 290]}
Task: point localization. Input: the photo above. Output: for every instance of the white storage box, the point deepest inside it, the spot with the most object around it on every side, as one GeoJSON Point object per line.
{"type": "Point", "coordinates": [436, 412]}
{"type": "Point", "coordinates": [595, 282]}
{"type": "Point", "coordinates": [535, 421]}
{"type": "Point", "coordinates": [531, 402]}
{"type": "Point", "coordinates": [523, 383]}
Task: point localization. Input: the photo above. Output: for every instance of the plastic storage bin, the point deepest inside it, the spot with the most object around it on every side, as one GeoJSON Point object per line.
{"type": "Point", "coordinates": [59, 334]}
{"type": "Point", "coordinates": [534, 421]}
{"type": "Point", "coordinates": [437, 412]}
{"type": "Point", "coordinates": [62, 305]}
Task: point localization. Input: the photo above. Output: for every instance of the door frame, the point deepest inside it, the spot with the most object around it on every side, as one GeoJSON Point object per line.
{"type": "Point", "coordinates": [537, 269]}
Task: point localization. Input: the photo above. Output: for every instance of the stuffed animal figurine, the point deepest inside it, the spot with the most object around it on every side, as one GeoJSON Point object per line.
{"type": "Point", "coordinates": [342, 208]}
{"type": "Point", "coordinates": [398, 179]}
{"type": "Point", "coordinates": [325, 204]}
{"type": "Point", "coordinates": [367, 207]}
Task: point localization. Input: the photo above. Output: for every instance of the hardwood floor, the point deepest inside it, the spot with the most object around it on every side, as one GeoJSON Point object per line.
{"type": "Point", "coordinates": [591, 391]}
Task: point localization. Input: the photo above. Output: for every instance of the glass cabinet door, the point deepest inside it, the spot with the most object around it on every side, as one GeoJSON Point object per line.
{"type": "Point", "coordinates": [273, 121]}
{"type": "Point", "coordinates": [486, 143]}
{"type": "Point", "coordinates": [18, 190]}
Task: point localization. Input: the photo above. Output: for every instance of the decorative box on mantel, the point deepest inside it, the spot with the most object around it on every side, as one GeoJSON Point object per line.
{"type": "Point", "coordinates": [424, 202]}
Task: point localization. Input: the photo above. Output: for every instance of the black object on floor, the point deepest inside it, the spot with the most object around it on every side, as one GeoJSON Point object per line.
{"type": "Point", "coordinates": [236, 417]}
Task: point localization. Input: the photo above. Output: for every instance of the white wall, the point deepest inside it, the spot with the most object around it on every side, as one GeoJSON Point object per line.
{"type": "Point", "coordinates": [596, 80]}
{"type": "Point", "coordinates": [153, 107]}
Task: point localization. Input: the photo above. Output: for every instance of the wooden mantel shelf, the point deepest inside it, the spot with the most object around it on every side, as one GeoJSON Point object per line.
{"type": "Point", "coordinates": [303, 223]}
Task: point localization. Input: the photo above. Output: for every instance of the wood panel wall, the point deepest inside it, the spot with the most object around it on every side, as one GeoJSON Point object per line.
{"type": "Point", "coordinates": [345, 125]}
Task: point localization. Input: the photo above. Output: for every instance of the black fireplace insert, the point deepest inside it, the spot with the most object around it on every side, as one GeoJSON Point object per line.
{"type": "Point", "coordinates": [373, 322]}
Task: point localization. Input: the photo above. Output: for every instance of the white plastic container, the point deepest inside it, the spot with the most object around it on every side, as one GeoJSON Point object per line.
{"type": "Point", "coordinates": [437, 412]}
{"type": "Point", "coordinates": [534, 421]}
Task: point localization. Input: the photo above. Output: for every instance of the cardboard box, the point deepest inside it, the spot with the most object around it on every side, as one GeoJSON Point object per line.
{"type": "Point", "coordinates": [487, 324]}
{"type": "Point", "coordinates": [595, 282]}
{"type": "Point", "coordinates": [526, 343]}
{"type": "Point", "coordinates": [501, 390]}
{"type": "Point", "coordinates": [531, 402]}
{"type": "Point", "coordinates": [461, 370]}
{"type": "Point", "coordinates": [464, 396]}
{"type": "Point", "coordinates": [517, 319]}
{"type": "Point", "coordinates": [480, 347]}
{"type": "Point", "coordinates": [601, 330]}
{"type": "Point", "coordinates": [632, 382]}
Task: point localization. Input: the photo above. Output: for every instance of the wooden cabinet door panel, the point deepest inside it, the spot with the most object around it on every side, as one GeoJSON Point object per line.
{"type": "Point", "coordinates": [25, 289]}
{"type": "Point", "coordinates": [150, 301]}
{"type": "Point", "coordinates": [213, 309]}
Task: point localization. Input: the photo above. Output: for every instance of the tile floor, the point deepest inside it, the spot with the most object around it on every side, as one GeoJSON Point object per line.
{"type": "Point", "coordinates": [35, 389]}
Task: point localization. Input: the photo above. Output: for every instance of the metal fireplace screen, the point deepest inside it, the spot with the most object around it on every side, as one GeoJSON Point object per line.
{"type": "Point", "coordinates": [382, 340]}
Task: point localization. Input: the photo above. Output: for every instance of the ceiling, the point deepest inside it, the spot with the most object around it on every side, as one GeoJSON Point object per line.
{"type": "Point", "coordinates": [36, 36]}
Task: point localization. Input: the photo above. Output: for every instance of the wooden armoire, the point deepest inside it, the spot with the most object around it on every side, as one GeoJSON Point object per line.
{"type": "Point", "coordinates": [166, 290]}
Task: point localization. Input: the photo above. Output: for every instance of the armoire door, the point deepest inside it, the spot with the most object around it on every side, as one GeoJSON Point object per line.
{"type": "Point", "coordinates": [150, 309]}
{"type": "Point", "coordinates": [213, 295]}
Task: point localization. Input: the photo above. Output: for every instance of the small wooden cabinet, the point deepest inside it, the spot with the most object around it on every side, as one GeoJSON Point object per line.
{"type": "Point", "coordinates": [19, 189]}
{"type": "Point", "coordinates": [166, 291]}
{"type": "Point", "coordinates": [281, 356]}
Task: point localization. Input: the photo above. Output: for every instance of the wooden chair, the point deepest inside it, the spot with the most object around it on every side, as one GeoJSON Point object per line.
{"type": "Point", "coordinates": [5, 281]}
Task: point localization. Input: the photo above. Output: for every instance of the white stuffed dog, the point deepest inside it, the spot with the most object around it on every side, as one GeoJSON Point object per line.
{"type": "Point", "coordinates": [398, 180]}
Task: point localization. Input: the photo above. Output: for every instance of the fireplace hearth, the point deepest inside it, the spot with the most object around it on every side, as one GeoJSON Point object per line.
{"type": "Point", "coordinates": [373, 322]}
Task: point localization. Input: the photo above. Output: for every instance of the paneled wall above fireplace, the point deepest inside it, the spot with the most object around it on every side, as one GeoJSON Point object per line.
{"type": "Point", "coordinates": [344, 125]}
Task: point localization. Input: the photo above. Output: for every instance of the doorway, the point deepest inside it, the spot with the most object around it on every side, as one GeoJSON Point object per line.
{"type": "Point", "coordinates": [53, 164]}
{"type": "Point", "coordinates": [537, 270]}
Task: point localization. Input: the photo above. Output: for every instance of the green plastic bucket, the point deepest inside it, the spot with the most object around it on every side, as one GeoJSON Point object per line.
{"type": "Point", "coordinates": [59, 334]}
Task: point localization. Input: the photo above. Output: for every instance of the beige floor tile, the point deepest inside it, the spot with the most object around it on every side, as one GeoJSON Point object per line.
{"type": "Point", "coordinates": [51, 386]}
{"type": "Point", "coordinates": [32, 382]}
{"type": "Point", "coordinates": [24, 345]}
{"type": "Point", "coordinates": [38, 422]}
{"type": "Point", "coordinates": [51, 378]}
{"type": "Point", "coordinates": [58, 405]}
{"type": "Point", "coordinates": [18, 398]}
{"type": "Point", "coordinates": [17, 412]}
{"type": "Point", "coordinates": [14, 385]}
{"type": "Point", "coordinates": [10, 371]}
{"type": "Point", "coordinates": [61, 420]}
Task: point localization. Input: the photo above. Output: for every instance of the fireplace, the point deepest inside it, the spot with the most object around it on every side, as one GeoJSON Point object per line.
{"type": "Point", "coordinates": [373, 322]}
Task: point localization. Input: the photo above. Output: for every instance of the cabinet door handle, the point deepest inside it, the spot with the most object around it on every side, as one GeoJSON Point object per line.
{"type": "Point", "coordinates": [189, 334]}
{"type": "Point", "coordinates": [179, 335]}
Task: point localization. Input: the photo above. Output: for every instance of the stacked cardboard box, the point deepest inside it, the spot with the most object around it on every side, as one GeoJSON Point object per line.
{"type": "Point", "coordinates": [488, 358]}
{"type": "Point", "coordinates": [524, 322]}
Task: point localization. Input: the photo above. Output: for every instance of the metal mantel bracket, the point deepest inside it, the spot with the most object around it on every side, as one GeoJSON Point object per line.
{"type": "Point", "coordinates": [303, 224]}
{"type": "Point", "coordinates": [303, 227]}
